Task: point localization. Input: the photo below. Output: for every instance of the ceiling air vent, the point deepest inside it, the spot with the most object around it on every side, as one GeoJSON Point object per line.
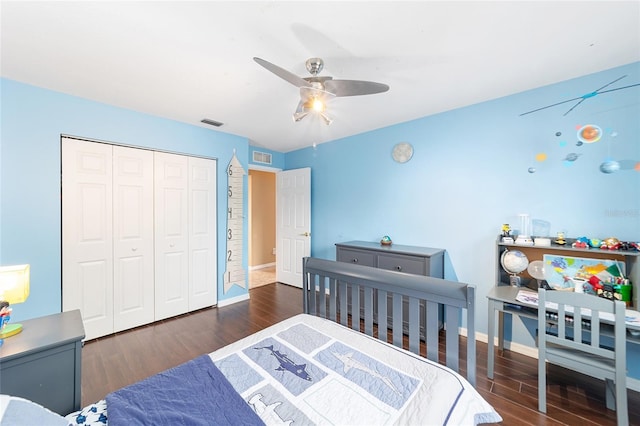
{"type": "Point", "coordinates": [211, 122]}
{"type": "Point", "coordinates": [261, 157]}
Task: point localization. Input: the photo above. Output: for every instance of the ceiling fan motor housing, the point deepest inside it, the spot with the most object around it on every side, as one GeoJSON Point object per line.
{"type": "Point", "coordinates": [314, 65]}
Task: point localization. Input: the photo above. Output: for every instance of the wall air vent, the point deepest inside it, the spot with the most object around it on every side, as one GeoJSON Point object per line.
{"type": "Point", "coordinates": [211, 122]}
{"type": "Point", "coordinates": [261, 157]}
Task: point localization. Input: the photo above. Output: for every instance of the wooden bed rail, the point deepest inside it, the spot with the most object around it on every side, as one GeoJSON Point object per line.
{"type": "Point", "coordinates": [332, 288]}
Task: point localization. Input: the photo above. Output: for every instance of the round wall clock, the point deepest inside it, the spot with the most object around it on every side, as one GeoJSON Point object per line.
{"type": "Point", "coordinates": [402, 152]}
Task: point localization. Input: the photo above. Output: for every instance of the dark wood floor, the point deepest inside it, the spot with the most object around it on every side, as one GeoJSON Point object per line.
{"type": "Point", "coordinates": [115, 361]}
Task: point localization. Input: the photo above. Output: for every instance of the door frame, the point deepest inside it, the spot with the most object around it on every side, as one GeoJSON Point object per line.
{"type": "Point", "coordinates": [267, 169]}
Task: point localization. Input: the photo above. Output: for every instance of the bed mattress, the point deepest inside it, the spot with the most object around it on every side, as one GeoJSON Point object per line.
{"type": "Point", "coordinates": [309, 370]}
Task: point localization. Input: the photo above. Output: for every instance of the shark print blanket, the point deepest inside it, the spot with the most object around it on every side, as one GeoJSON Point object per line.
{"type": "Point", "coordinates": [302, 371]}
{"type": "Point", "coordinates": [308, 370]}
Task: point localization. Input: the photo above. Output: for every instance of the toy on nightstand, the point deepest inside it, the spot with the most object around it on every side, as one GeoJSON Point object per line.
{"type": "Point", "coordinates": [5, 313]}
{"type": "Point", "coordinates": [5, 316]}
{"type": "Point", "coordinates": [386, 241]}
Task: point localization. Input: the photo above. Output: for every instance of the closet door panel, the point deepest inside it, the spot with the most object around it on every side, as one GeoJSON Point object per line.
{"type": "Point", "coordinates": [202, 233]}
{"type": "Point", "coordinates": [133, 285]}
{"type": "Point", "coordinates": [87, 234]}
{"type": "Point", "coordinates": [171, 235]}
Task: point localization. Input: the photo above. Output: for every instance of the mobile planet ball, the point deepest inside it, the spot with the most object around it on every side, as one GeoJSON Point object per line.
{"type": "Point", "coordinates": [610, 166]}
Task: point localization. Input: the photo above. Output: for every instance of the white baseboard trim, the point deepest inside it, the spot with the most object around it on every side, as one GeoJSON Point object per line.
{"type": "Point", "coordinates": [632, 383]}
{"type": "Point", "coordinates": [265, 266]}
{"type": "Point", "coordinates": [232, 300]}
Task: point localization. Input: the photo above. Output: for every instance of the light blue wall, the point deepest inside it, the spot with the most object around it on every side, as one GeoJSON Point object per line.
{"type": "Point", "coordinates": [469, 175]}
{"type": "Point", "coordinates": [32, 121]}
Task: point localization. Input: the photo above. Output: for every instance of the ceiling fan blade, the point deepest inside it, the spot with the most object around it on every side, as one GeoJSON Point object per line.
{"type": "Point", "coordinates": [354, 87]}
{"type": "Point", "coordinates": [284, 74]}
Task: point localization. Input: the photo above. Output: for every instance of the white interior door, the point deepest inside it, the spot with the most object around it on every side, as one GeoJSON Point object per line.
{"type": "Point", "coordinates": [87, 234]}
{"type": "Point", "coordinates": [171, 235]}
{"type": "Point", "coordinates": [203, 273]}
{"type": "Point", "coordinates": [293, 224]}
{"type": "Point", "coordinates": [133, 252]}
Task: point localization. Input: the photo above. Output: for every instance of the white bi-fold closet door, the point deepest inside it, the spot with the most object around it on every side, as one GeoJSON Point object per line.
{"type": "Point", "coordinates": [185, 237]}
{"type": "Point", "coordinates": [138, 231]}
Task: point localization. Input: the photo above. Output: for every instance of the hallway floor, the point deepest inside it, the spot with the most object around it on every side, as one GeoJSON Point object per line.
{"type": "Point", "coordinates": [260, 277]}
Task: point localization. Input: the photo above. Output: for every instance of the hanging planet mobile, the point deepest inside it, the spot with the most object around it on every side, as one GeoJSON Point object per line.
{"type": "Point", "coordinates": [586, 96]}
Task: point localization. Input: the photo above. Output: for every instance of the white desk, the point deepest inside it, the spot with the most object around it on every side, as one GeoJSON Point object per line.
{"type": "Point", "coordinates": [502, 299]}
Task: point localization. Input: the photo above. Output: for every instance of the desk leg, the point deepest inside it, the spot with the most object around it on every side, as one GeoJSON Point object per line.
{"type": "Point", "coordinates": [491, 332]}
{"type": "Point", "coordinates": [501, 329]}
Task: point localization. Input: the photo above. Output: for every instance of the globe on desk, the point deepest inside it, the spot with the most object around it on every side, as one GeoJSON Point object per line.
{"type": "Point", "coordinates": [514, 262]}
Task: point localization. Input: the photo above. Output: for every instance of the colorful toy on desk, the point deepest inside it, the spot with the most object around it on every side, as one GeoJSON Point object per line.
{"type": "Point", "coordinates": [631, 246]}
{"type": "Point", "coordinates": [588, 289]}
{"type": "Point", "coordinates": [607, 292]}
{"type": "Point", "coordinates": [506, 234]}
{"type": "Point", "coordinates": [581, 242]}
{"type": "Point", "coordinates": [595, 282]}
{"type": "Point", "coordinates": [560, 239]}
{"type": "Point", "coordinates": [595, 243]}
{"type": "Point", "coordinates": [610, 243]}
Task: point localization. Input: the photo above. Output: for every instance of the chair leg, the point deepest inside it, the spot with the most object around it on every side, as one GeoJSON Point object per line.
{"type": "Point", "coordinates": [542, 385]}
{"type": "Point", "coordinates": [621, 403]}
{"type": "Point", "coordinates": [610, 393]}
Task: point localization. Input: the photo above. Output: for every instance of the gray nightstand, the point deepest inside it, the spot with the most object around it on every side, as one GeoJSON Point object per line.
{"type": "Point", "coordinates": [44, 362]}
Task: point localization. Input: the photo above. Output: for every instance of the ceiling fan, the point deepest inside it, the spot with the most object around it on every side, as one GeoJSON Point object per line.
{"type": "Point", "coordinates": [316, 90]}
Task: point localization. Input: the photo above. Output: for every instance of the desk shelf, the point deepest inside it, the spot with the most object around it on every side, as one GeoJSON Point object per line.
{"type": "Point", "coordinates": [630, 258]}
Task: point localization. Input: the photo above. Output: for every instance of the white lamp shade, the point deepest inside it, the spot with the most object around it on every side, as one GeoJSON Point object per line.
{"type": "Point", "coordinates": [14, 283]}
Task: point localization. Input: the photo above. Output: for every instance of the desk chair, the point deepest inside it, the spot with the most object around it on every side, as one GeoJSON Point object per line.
{"type": "Point", "coordinates": [574, 343]}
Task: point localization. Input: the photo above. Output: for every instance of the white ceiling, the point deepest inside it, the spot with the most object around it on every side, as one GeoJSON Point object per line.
{"type": "Point", "coordinates": [192, 60]}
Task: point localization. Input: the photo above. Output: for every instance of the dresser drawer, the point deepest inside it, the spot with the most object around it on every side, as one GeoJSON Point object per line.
{"type": "Point", "coordinates": [406, 264]}
{"type": "Point", "coordinates": [356, 256]}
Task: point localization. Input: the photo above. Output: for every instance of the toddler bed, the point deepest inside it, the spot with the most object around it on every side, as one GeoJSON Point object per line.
{"type": "Point", "coordinates": [309, 369]}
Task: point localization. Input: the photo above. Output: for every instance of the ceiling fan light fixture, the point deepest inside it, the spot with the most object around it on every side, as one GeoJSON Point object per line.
{"type": "Point", "coordinates": [316, 90]}
{"type": "Point", "coordinates": [304, 108]}
{"type": "Point", "coordinates": [297, 116]}
{"type": "Point", "coordinates": [317, 105]}
{"type": "Point", "coordinates": [327, 120]}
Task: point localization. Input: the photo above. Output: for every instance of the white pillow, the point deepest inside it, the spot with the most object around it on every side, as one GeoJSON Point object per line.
{"type": "Point", "coordinates": [16, 411]}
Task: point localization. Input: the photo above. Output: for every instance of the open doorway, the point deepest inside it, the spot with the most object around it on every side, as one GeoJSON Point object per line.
{"type": "Point", "coordinates": [262, 227]}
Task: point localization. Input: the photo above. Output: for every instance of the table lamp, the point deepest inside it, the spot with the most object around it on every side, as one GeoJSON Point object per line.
{"type": "Point", "coordinates": [14, 288]}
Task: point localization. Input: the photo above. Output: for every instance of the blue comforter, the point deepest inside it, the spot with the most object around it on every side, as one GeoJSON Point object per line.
{"type": "Point", "coordinates": [194, 393]}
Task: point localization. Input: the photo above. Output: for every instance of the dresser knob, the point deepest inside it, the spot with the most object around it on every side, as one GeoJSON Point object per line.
{"type": "Point", "coordinates": [354, 260]}
{"type": "Point", "coordinates": [399, 268]}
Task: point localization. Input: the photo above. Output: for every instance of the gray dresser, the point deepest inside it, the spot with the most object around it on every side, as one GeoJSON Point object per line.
{"type": "Point", "coordinates": [43, 363]}
{"type": "Point", "coordinates": [407, 259]}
